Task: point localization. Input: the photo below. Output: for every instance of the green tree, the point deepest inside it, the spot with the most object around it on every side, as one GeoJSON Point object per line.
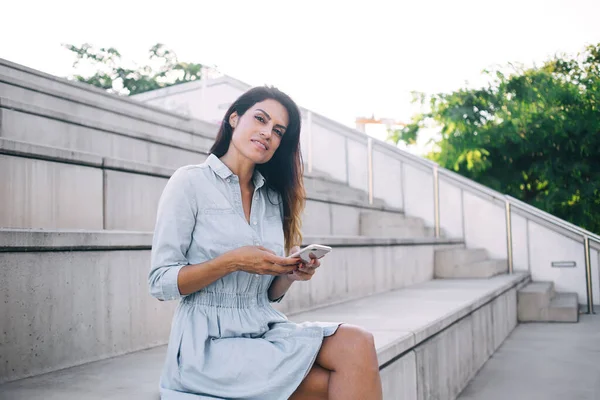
{"type": "Point", "coordinates": [112, 75]}
{"type": "Point", "coordinates": [533, 133]}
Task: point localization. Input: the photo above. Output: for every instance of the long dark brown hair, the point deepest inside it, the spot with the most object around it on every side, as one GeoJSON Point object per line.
{"type": "Point", "coordinates": [283, 172]}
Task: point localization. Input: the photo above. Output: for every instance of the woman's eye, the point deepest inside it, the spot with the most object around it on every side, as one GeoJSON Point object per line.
{"type": "Point", "coordinates": [278, 132]}
{"type": "Point", "coordinates": [261, 119]}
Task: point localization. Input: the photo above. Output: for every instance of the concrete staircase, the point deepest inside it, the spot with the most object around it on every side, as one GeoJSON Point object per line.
{"type": "Point", "coordinates": [539, 302]}
{"type": "Point", "coordinates": [85, 170]}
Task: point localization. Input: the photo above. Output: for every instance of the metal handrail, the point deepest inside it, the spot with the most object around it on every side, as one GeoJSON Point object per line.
{"type": "Point", "coordinates": [552, 219]}
{"type": "Point", "coordinates": [511, 202]}
{"type": "Point", "coordinates": [478, 187]}
{"type": "Point", "coordinates": [520, 204]}
{"type": "Point", "coordinates": [508, 201]}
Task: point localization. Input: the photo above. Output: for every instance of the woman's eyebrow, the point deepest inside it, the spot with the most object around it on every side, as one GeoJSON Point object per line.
{"type": "Point", "coordinates": [269, 117]}
{"type": "Point", "coordinates": [264, 112]}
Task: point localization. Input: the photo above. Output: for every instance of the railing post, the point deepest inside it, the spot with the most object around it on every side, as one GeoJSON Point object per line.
{"type": "Point", "coordinates": [509, 247]}
{"type": "Point", "coordinates": [436, 200]}
{"type": "Point", "coordinates": [370, 168]}
{"type": "Point", "coordinates": [588, 275]}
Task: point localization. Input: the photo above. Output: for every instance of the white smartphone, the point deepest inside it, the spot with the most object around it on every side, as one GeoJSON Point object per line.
{"type": "Point", "coordinates": [317, 250]}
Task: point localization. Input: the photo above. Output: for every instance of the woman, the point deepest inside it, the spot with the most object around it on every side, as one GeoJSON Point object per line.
{"type": "Point", "coordinates": [222, 231]}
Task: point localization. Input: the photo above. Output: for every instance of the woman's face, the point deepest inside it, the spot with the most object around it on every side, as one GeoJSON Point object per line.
{"type": "Point", "coordinates": [257, 134]}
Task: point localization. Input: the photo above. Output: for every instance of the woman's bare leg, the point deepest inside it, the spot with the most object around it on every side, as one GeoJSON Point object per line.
{"type": "Point", "coordinates": [315, 386]}
{"type": "Point", "coordinates": [351, 357]}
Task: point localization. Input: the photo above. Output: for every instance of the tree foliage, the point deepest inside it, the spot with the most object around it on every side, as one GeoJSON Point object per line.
{"type": "Point", "coordinates": [532, 133]}
{"type": "Point", "coordinates": [112, 74]}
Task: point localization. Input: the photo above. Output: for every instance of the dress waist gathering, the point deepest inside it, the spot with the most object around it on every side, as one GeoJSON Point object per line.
{"type": "Point", "coordinates": [227, 300]}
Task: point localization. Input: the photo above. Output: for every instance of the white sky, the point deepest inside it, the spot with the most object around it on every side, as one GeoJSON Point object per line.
{"type": "Point", "coordinates": [340, 58]}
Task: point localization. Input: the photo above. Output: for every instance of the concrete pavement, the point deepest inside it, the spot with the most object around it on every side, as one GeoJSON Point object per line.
{"type": "Point", "coordinates": [543, 361]}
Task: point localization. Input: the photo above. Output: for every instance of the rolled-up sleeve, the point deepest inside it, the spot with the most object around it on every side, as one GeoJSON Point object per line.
{"type": "Point", "coordinates": [175, 222]}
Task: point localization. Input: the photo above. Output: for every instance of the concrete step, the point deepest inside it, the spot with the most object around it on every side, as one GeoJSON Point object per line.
{"type": "Point", "coordinates": [31, 79]}
{"type": "Point", "coordinates": [533, 301]}
{"type": "Point", "coordinates": [380, 224]}
{"type": "Point", "coordinates": [450, 258]}
{"type": "Point", "coordinates": [42, 103]}
{"type": "Point", "coordinates": [128, 141]}
{"type": "Point", "coordinates": [317, 173]}
{"type": "Point", "coordinates": [338, 192]}
{"type": "Point", "coordinates": [480, 269]}
{"type": "Point", "coordinates": [401, 333]}
{"type": "Point", "coordinates": [564, 307]}
{"type": "Point", "coordinates": [538, 302]}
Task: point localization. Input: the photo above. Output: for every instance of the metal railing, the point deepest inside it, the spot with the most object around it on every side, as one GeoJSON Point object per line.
{"type": "Point", "coordinates": [510, 203]}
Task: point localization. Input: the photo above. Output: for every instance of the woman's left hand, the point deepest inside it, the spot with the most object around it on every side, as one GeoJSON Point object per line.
{"type": "Point", "coordinates": [305, 271]}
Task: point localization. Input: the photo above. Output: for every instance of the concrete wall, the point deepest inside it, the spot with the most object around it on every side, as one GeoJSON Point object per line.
{"type": "Point", "coordinates": [387, 177]}
{"type": "Point", "coordinates": [329, 153]}
{"type": "Point", "coordinates": [418, 192]}
{"type": "Point", "coordinates": [358, 176]}
{"type": "Point", "coordinates": [131, 200]}
{"type": "Point", "coordinates": [67, 308]}
{"type": "Point", "coordinates": [44, 194]}
{"type": "Point", "coordinates": [547, 246]}
{"type": "Point", "coordinates": [478, 215]}
{"type": "Point", "coordinates": [452, 213]}
{"type": "Point", "coordinates": [63, 308]}
{"type": "Point", "coordinates": [485, 225]}
{"type": "Point", "coordinates": [441, 367]}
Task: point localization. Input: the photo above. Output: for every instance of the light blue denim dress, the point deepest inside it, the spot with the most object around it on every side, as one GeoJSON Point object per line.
{"type": "Point", "coordinates": [227, 341]}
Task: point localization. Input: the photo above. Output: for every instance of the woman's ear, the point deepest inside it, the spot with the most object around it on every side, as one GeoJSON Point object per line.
{"type": "Point", "coordinates": [233, 119]}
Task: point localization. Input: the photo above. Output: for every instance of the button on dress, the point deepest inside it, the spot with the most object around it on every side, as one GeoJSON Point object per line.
{"type": "Point", "coordinates": [226, 340]}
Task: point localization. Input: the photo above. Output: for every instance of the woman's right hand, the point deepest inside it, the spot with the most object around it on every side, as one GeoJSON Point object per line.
{"type": "Point", "coordinates": [262, 261]}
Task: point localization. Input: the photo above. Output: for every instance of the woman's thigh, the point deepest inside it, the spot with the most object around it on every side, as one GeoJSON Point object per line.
{"type": "Point", "coordinates": [314, 386]}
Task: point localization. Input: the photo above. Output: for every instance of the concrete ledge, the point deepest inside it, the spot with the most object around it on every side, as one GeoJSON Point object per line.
{"type": "Point", "coordinates": [424, 352]}
{"type": "Point", "coordinates": [137, 167]}
{"type": "Point", "coordinates": [24, 149]}
{"type": "Point", "coordinates": [82, 87]}
{"type": "Point", "coordinates": [17, 240]}
{"type": "Point", "coordinates": [50, 278]}
{"type": "Point", "coordinates": [441, 304]}
{"type": "Point", "coordinates": [204, 137]}
{"type": "Point", "coordinates": [366, 241]}
{"type": "Point", "coordinates": [84, 240]}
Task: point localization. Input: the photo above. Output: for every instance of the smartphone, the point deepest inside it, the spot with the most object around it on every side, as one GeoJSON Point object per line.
{"type": "Point", "coordinates": [317, 250]}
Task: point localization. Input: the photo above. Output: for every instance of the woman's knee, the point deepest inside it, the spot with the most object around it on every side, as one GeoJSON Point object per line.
{"type": "Point", "coordinates": [357, 338]}
{"type": "Point", "coordinates": [349, 343]}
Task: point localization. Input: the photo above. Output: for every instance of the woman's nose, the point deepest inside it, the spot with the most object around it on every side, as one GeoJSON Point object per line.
{"type": "Point", "coordinates": [265, 133]}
